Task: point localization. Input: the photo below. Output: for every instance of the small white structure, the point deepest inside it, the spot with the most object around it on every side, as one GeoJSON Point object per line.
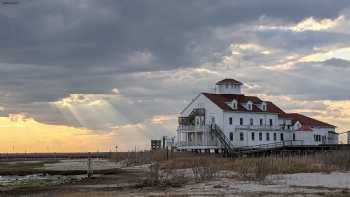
{"type": "Point", "coordinates": [228, 118]}
{"type": "Point", "coordinates": [348, 134]}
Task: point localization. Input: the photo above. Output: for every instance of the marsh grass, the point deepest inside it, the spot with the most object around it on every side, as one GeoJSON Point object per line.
{"type": "Point", "coordinates": [258, 168]}
{"type": "Point", "coordinates": [147, 157]}
{"type": "Point", "coordinates": [22, 168]}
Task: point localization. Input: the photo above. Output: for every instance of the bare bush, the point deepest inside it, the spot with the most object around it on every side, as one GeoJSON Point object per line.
{"type": "Point", "coordinates": [202, 169]}
{"type": "Point", "coordinates": [174, 178]}
{"type": "Point", "coordinates": [154, 173]}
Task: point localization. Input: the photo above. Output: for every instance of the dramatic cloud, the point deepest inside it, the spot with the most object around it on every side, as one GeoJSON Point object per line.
{"type": "Point", "coordinates": [124, 69]}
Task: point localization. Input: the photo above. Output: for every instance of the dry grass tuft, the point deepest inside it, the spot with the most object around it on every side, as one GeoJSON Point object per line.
{"type": "Point", "coordinates": [259, 168]}
{"type": "Point", "coordinates": [204, 167]}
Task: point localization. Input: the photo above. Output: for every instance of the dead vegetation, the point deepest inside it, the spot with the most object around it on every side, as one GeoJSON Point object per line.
{"type": "Point", "coordinates": [147, 157]}
{"type": "Point", "coordinates": [164, 178]}
{"type": "Point", "coordinates": [258, 168]}
{"type": "Point", "coordinates": [205, 167]}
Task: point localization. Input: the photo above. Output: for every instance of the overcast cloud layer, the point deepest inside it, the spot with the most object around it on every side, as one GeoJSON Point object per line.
{"type": "Point", "coordinates": [106, 65]}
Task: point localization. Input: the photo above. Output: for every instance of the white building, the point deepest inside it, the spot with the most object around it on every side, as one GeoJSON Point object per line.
{"type": "Point", "coordinates": [229, 119]}
{"type": "Point", "coordinates": [348, 135]}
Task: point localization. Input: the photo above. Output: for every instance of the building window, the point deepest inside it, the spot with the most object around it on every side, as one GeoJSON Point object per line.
{"type": "Point", "coordinates": [261, 122]}
{"type": "Point", "coordinates": [282, 137]}
{"type": "Point", "coordinates": [317, 138]}
{"type": "Point", "coordinates": [253, 136]}
{"type": "Point", "coordinates": [230, 120]}
{"type": "Point", "coordinates": [271, 122]}
{"type": "Point", "coordinates": [231, 136]}
{"type": "Point", "coordinates": [226, 85]}
{"type": "Point", "coordinates": [260, 136]}
{"type": "Point", "coordinates": [213, 120]}
{"type": "Point", "coordinates": [274, 137]}
{"type": "Point", "coordinates": [241, 121]}
{"type": "Point", "coordinates": [189, 137]}
{"type": "Point", "coordinates": [293, 136]}
{"type": "Point", "coordinates": [264, 107]}
{"type": "Point", "coordinates": [267, 136]}
{"type": "Point", "coordinates": [241, 136]}
{"type": "Point", "coordinates": [234, 104]}
{"type": "Point", "coordinates": [251, 122]}
{"type": "Point", "coordinates": [250, 107]}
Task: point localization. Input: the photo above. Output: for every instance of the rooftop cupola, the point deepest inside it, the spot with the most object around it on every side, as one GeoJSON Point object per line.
{"type": "Point", "coordinates": [228, 86]}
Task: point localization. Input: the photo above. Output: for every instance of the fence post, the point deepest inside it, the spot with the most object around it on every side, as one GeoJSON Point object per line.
{"type": "Point", "coordinates": [89, 167]}
{"type": "Point", "coordinates": [167, 153]}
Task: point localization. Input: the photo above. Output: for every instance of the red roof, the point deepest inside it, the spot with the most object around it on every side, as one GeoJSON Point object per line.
{"type": "Point", "coordinates": [221, 101]}
{"type": "Point", "coordinates": [306, 121]}
{"type": "Point", "coordinates": [228, 81]}
{"type": "Point", "coordinates": [305, 128]}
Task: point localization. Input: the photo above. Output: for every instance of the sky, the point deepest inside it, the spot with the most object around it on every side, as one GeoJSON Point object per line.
{"type": "Point", "coordinates": [87, 75]}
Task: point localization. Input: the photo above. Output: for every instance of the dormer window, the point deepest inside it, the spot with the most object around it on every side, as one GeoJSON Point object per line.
{"type": "Point", "coordinates": [264, 106]}
{"type": "Point", "coordinates": [250, 105]}
{"type": "Point", "coordinates": [234, 104]}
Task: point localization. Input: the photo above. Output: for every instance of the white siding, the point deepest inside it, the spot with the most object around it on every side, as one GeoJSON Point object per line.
{"type": "Point", "coordinates": [211, 110]}
{"type": "Point", "coordinates": [306, 136]}
{"type": "Point", "coordinates": [222, 119]}
{"type": "Point", "coordinates": [247, 134]}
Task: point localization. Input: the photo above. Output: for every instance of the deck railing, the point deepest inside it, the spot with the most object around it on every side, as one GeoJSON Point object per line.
{"type": "Point", "coordinates": [259, 127]}
{"type": "Point", "coordinates": [225, 142]}
{"type": "Point", "coordinates": [193, 128]}
{"type": "Point", "coordinates": [275, 144]}
{"type": "Point", "coordinates": [197, 143]}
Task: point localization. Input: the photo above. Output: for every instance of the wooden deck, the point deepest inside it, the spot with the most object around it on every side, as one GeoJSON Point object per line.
{"type": "Point", "coordinates": [291, 149]}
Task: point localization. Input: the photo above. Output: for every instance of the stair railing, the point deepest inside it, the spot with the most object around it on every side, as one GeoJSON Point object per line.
{"type": "Point", "coordinates": [222, 138]}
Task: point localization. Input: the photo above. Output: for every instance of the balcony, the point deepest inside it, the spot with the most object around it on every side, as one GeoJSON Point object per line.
{"type": "Point", "coordinates": [193, 128]}
{"type": "Point", "coordinates": [188, 144]}
{"type": "Point", "coordinates": [259, 127]}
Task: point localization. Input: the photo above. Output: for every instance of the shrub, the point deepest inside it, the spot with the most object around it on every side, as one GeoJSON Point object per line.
{"type": "Point", "coordinates": [202, 169]}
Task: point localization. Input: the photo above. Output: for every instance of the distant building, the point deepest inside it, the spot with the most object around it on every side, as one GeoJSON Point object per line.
{"type": "Point", "coordinates": [228, 118]}
{"type": "Point", "coordinates": [156, 145]}
{"type": "Point", "coordinates": [333, 137]}
{"type": "Point", "coordinates": [168, 142]}
{"type": "Point", "coordinates": [348, 134]}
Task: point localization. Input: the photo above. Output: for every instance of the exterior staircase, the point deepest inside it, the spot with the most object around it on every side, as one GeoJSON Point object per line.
{"type": "Point", "coordinates": [231, 150]}
{"type": "Point", "coordinates": [228, 146]}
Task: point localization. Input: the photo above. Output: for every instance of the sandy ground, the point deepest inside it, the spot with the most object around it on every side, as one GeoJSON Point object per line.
{"type": "Point", "coordinates": [128, 183]}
